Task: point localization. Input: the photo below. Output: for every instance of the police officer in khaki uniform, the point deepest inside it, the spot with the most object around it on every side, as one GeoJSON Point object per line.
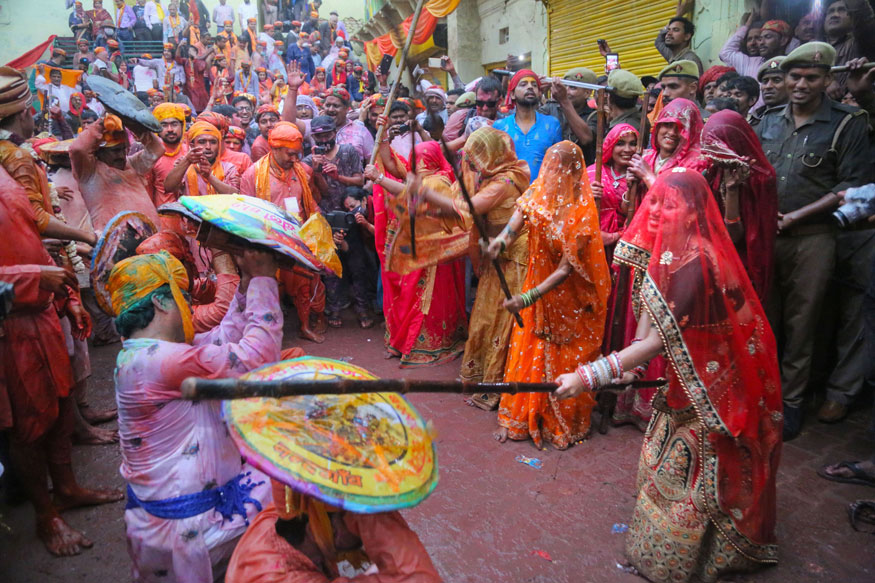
{"type": "Point", "coordinates": [819, 148]}
{"type": "Point", "coordinates": [773, 87]}
{"type": "Point", "coordinates": [622, 103]}
{"type": "Point", "coordinates": [680, 79]}
{"type": "Point", "coordinates": [570, 105]}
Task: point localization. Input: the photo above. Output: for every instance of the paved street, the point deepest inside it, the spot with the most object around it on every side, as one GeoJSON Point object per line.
{"type": "Point", "coordinates": [490, 515]}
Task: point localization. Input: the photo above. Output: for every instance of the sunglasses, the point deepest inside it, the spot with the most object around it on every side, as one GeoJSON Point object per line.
{"type": "Point", "coordinates": [479, 103]}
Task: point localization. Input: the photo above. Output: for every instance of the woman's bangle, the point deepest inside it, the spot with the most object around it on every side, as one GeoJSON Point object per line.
{"type": "Point", "coordinates": [732, 221]}
{"type": "Point", "coordinates": [379, 179]}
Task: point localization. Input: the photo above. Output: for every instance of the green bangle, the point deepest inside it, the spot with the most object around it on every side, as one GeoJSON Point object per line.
{"type": "Point", "coordinates": [503, 244]}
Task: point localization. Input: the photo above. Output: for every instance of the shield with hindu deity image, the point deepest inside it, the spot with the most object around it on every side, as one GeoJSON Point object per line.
{"type": "Point", "coordinates": [121, 237]}
{"type": "Point", "coordinates": [365, 453]}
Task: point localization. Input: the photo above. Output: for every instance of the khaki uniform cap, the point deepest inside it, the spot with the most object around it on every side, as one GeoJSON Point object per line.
{"type": "Point", "coordinates": [581, 75]}
{"type": "Point", "coordinates": [813, 54]}
{"type": "Point", "coordinates": [625, 83]}
{"type": "Point", "coordinates": [466, 100]}
{"type": "Point", "coordinates": [681, 68]}
{"type": "Point", "coordinates": [773, 64]}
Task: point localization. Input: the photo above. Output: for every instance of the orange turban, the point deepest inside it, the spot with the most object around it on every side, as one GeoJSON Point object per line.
{"type": "Point", "coordinates": [216, 119]}
{"type": "Point", "coordinates": [168, 46]}
{"type": "Point", "coordinates": [113, 132]}
{"type": "Point", "coordinates": [169, 111]}
{"type": "Point", "coordinates": [173, 243]}
{"type": "Point", "coordinates": [285, 135]}
{"type": "Point", "coordinates": [200, 128]}
{"type": "Point", "coordinates": [314, 14]}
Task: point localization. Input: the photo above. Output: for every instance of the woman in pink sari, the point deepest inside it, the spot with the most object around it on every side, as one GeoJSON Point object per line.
{"type": "Point", "coordinates": [619, 148]}
{"type": "Point", "coordinates": [426, 322]}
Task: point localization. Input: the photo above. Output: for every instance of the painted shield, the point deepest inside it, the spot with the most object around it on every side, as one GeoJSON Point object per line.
{"type": "Point", "coordinates": [123, 233]}
{"type": "Point", "coordinates": [122, 102]}
{"type": "Point", "coordinates": [366, 453]}
{"type": "Point", "coordinates": [255, 220]}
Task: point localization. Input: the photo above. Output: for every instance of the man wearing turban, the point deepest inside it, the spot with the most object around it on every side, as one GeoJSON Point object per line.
{"type": "Point", "coordinates": [35, 405]}
{"type": "Point", "coordinates": [201, 171]}
{"type": "Point", "coordinates": [189, 495]}
{"type": "Point", "coordinates": [111, 181]}
{"type": "Point", "coordinates": [267, 116]}
{"type": "Point", "coordinates": [240, 160]}
{"type": "Point", "coordinates": [532, 132]}
{"type": "Point", "coordinates": [172, 119]}
{"type": "Point", "coordinates": [281, 178]}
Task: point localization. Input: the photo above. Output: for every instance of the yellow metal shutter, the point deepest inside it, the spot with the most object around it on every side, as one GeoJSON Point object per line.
{"type": "Point", "coordinates": [629, 26]}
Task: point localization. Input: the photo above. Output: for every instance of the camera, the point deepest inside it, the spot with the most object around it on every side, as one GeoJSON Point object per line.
{"type": "Point", "coordinates": [321, 150]}
{"type": "Point", "coordinates": [859, 205]}
{"type": "Point", "coordinates": [403, 129]}
{"type": "Point", "coordinates": [340, 220]}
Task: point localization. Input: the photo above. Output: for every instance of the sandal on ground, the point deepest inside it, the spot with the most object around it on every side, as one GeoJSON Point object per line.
{"type": "Point", "coordinates": [335, 322]}
{"type": "Point", "coordinates": [366, 322]}
{"type": "Point", "coordinates": [860, 477]}
{"type": "Point", "coordinates": [862, 516]}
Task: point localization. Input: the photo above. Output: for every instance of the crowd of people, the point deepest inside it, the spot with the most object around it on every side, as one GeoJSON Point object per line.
{"type": "Point", "coordinates": [687, 230]}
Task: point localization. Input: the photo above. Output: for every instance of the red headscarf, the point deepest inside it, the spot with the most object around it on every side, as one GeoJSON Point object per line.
{"type": "Point", "coordinates": [729, 141]}
{"type": "Point", "coordinates": [82, 100]}
{"type": "Point", "coordinates": [685, 114]}
{"type": "Point", "coordinates": [514, 81]}
{"type": "Point", "coordinates": [723, 354]}
{"type": "Point", "coordinates": [613, 185]}
{"type": "Point", "coordinates": [430, 161]}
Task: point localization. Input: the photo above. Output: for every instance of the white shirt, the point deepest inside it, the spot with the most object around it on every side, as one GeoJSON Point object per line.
{"type": "Point", "coordinates": [150, 15]}
{"type": "Point", "coordinates": [62, 92]}
{"type": "Point", "coordinates": [245, 12]}
{"type": "Point", "coordinates": [268, 40]}
{"type": "Point", "coordinates": [223, 13]}
{"type": "Point", "coordinates": [143, 77]}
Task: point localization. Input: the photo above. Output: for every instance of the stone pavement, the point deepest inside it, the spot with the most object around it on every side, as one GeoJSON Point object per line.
{"type": "Point", "coordinates": [490, 516]}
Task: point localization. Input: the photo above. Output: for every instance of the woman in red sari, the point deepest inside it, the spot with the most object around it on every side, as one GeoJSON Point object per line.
{"type": "Point", "coordinates": [744, 184]}
{"type": "Point", "coordinates": [674, 142]}
{"type": "Point", "coordinates": [706, 477]}
{"type": "Point", "coordinates": [425, 314]}
{"type": "Point", "coordinates": [563, 308]}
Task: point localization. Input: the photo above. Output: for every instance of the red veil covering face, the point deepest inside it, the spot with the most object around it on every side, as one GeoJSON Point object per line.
{"type": "Point", "coordinates": [728, 141]}
{"type": "Point", "coordinates": [723, 363]}
{"type": "Point", "coordinates": [685, 114]}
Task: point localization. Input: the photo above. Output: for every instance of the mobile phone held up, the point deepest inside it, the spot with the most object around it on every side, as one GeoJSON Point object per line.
{"type": "Point", "coordinates": [612, 62]}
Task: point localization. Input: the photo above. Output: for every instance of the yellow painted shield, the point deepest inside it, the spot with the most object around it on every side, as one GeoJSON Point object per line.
{"type": "Point", "coordinates": [366, 453]}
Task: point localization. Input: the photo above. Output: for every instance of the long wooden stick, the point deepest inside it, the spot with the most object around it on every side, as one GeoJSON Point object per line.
{"type": "Point", "coordinates": [480, 223]}
{"type": "Point", "coordinates": [402, 65]}
{"type": "Point", "coordinates": [198, 389]}
{"type": "Point", "coordinates": [633, 189]}
{"type": "Point", "coordinates": [599, 140]}
{"type": "Point", "coordinates": [411, 196]}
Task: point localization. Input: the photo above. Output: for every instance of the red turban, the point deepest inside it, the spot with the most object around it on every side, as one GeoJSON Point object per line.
{"type": "Point", "coordinates": [778, 26]}
{"type": "Point", "coordinates": [515, 80]}
{"type": "Point", "coordinates": [217, 119]}
{"type": "Point", "coordinates": [266, 108]}
{"type": "Point", "coordinates": [711, 75]}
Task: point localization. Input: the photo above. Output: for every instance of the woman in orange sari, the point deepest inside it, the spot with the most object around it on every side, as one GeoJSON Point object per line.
{"type": "Point", "coordinates": [706, 501]}
{"type": "Point", "coordinates": [564, 307]}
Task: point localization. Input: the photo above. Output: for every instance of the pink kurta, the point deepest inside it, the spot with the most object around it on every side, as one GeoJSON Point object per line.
{"type": "Point", "coordinates": [171, 447]}
{"type": "Point", "coordinates": [108, 191]}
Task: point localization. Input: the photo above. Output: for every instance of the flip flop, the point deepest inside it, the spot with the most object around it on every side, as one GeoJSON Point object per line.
{"type": "Point", "coordinates": [860, 477]}
{"type": "Point", "coordinates": [862, 516]}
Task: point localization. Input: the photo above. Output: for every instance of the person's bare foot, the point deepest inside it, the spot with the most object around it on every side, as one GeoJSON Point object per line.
{"type": "Point", "coordinates": [85, 434]}
{"type": "Point", "coordinates": [311, 335]}
{"type": "Point", "coordinates": [59, 537]}
{"type": "Point", "coordinates": [86, 497]}
{"type": "Point", "coordinates": [97, 416]}
{"type": "Point", "coordinates": [390, 354]}
{"type": "Point", "coordinates": [500, 435]}
{"type": "Point", "coordinates": [321, 326]}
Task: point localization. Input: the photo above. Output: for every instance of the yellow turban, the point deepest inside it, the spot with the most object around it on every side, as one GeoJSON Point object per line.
{"type": "Point", "coordinates": [169, 111]}
{"type": "Point", "coordinates": [113, 131]}
{"type": "Point", "coordinates": [200, 128]}
{"type": "Point", "coordinates": [136, 277]}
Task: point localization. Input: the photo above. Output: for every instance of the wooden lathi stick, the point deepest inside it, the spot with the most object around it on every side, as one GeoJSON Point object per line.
{"type": "Point", "coordinates": [223, 389]}
{"type": "Point", "coordinates": [480, 223]}
{"type": "Point", "coordinates": [402, 65]}
{"type": "Point", "coordinates": [599, 141]}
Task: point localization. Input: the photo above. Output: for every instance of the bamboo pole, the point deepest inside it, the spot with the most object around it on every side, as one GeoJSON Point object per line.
{"type": "Point", "coordinates": [223, 389]}
{"type": "Point", "coordinates": [402, 66]}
